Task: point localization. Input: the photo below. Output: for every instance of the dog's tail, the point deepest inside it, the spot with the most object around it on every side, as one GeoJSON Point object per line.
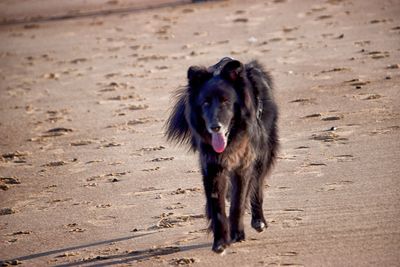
{"type": "Point", "coordinates": [177, 127]}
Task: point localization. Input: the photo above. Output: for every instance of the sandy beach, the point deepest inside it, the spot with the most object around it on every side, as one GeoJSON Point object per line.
{"type": "Point", "coordinates": [87, 177]}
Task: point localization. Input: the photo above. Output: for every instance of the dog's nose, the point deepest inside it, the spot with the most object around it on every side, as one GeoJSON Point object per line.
{"type": "Point", "coordinates": [215, 128]}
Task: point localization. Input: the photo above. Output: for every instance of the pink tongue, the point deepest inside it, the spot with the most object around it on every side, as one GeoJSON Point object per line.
{"type": "Point", "coordinates": [218, 142]}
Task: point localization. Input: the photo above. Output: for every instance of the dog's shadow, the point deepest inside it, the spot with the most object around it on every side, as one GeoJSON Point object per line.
{"type": "Point", "coordinates": [119, 258]}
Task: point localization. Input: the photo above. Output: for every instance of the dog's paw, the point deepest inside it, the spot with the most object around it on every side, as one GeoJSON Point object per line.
{"type": "Point", "coordinates": [219, 246]}
{"type": "Point", "coordinates": [259, 224]}
{"type": "Point", "coordinates": [237, 236]}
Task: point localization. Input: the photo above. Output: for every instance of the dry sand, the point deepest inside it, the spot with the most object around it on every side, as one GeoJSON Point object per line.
{"type": "Point", "coordinates": [87, 178]}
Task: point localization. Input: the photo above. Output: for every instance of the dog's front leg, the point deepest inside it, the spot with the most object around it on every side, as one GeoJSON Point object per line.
{"type": "Point", "coordinates": [215, 186]}
{"type": "Point", "coordinates": [240, 182]}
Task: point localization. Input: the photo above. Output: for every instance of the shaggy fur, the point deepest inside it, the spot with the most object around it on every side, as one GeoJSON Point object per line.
{"type": "Point", "coordinates": [227, 113]}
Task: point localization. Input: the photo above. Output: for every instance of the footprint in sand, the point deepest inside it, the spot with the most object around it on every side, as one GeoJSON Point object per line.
{"type": "Point", "coordinates": [314, 115]}
{"type": "Point", "coordinates": [344, 158]}
{"type": "Point", "coordinates": [152, 58]}
{"type": "Point", "coordinates": [55, 201]}
{"type": "Point", "coordinates": [164, 32]}
{"type": "Point", "coordinates": [132, 107]}
{"type": "Point", "coordinates": [393, 66]}
{"type": "Point", "coordinates": [78, 60]}
{"type": "Point", "coordinates": [372, 97]}
{"type": "Point", "coordinates": [89, 185]}
{"type": "Point", "coordinates": [183, 261]}
{"type": "Point", "coordinates": [323, 17]}
{"type": "Point", "coordinates": [11, 262]}
{"type": "Point", "coordinates": [77, 230]}
{"type": "Point", "coordinates": [162, 159]}
{"type": "Point", "coordinates": [175, 206]}
{"type": "Point", "coordinates": [29, 109]}
{"type": "Point", "coordinates": [54, 116]}
{"type": "Point", "coordinates": [18, 157]}
{"type": "Point", "coordinates": [143, 120]}
{"type": "Point", "coordinates": [332, 118]}
{"type": "Point", "coordinates": [313, 164]}
{"type": "Point", "coordinates": [151, 149]}
{"type": "Point", "coordinates": [335, 186]}
{"type": "Point", "coordinates": [112, 75]}
{"type": "Point", "coordinates": [110, 177]}
{"type": "Point", "coordinates": [51, 76]}
{"type": "Point", "coordinates": [126, 97]}
{"type": "Point", "coordinates": [7, 182]}
{"type": "Point", "coordinates": [67, 254]}
{"type": "Point", "coordinates": [291, 218]}
{"type": "Point", "coordinates": [137, 107]}
{"type": "Point", "coordinates": [103, 206]}
{"type": "Point", "coordinates": [55, 163]}
{"type": "Point", "coordinates": [385, 130]}
{"type": "Point", "coordinates": [378, 54]}
{"type": "Point", "coordinates": [170, 220]}
{"type": "Point", "coordinates": [122, 127]}
{"type": "Point", "coordinates": [303, 101]}
{"type": "Point", "coordinates": [329, 137]}
{"type": "Point", "coordinates": [108, 144]}
{"type": "Point", "coordinates": [302, 147]}
{"type": "Point", "coordinates": [287, 157]}
{"type": "Point", "coordinates": [151, 169]}
{"type": "Point", "coordinates": [338, 69]}
{"type": "Point", "coordinates": [148, 191]}
{"type": "Point", "coordinates": [180, 191]}
{"type": "Point", "coordinates": [58, 131]}
{"type": "Point", "coordinates": [357, 83]}
{"type": "Point", "coordinates": [19, 234]}
{"type": "Point", "coordinates": [82, 142]}
{"type": "Point", "coordinates": [7, 211]}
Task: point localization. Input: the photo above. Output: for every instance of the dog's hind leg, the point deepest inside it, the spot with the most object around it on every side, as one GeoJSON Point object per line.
{"type": "Point", "coordinates": [240, 184]}
{"type": "Point", "coordinates": [215, 186]}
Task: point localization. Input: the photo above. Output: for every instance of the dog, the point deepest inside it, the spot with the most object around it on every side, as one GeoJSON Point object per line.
{"type": "Point", "coordinates": [227, 113]}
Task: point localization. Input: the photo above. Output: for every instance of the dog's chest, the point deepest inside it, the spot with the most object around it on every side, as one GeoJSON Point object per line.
{"type": "Point", "coordinates": [239, 154]}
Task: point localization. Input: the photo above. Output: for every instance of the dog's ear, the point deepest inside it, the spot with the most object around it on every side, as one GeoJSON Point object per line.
{"type": "Point", "coordinates": [232, 71]}
{"type": "Point", "coordinates": [197, 75]}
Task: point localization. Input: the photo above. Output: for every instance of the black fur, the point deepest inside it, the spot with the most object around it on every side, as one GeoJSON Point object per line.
{"type": "Point", "coordinates": [227, 113]}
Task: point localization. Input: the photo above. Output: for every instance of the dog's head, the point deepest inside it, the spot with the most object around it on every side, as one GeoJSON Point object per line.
{"type": "Point", "coordinates": [216, 97]}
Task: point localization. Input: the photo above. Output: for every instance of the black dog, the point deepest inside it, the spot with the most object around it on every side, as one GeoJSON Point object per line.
{"type": "Point", "coordinates": [227, 113]}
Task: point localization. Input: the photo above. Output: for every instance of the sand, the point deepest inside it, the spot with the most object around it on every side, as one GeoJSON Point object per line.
{"type": "Point", "coordinates": [88, 179]}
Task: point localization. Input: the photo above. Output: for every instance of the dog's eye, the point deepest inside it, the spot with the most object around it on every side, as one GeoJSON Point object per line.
{"type": "Point", "coordinates": [206, 103]}
{"type": "Point", "coordinates": [224, 100]}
